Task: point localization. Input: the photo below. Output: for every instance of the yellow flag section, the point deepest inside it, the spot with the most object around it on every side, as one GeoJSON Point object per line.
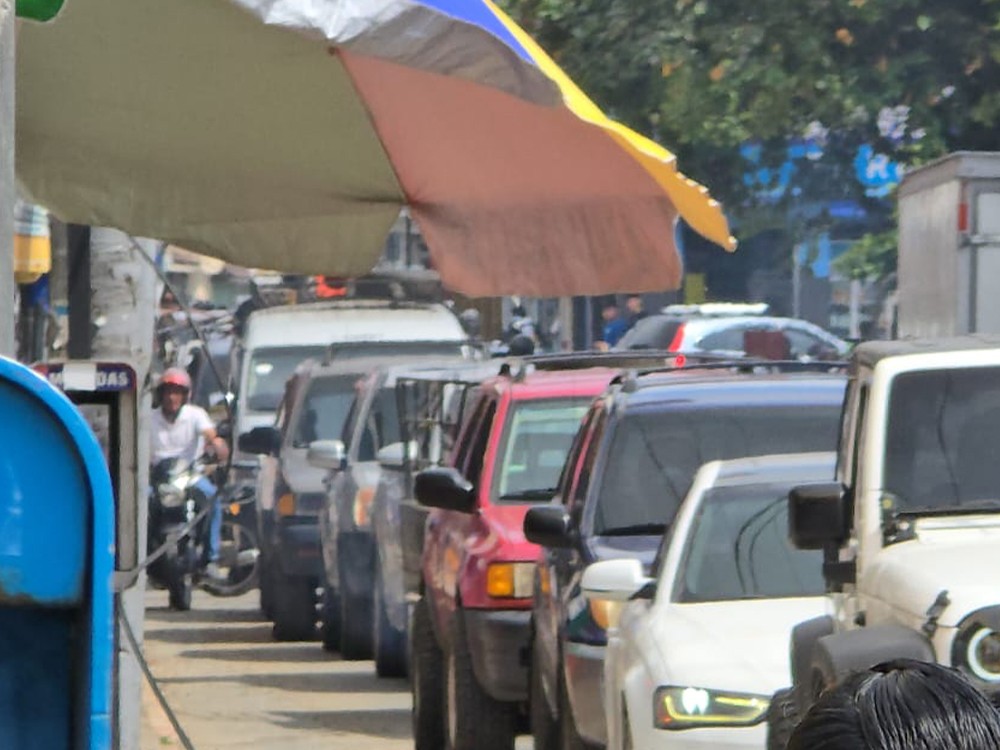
{"type": "Point", "coordinates": [702, 212]}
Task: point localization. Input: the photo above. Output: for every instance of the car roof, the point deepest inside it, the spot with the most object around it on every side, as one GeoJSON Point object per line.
{"type": "Point", "coordinates": [724, 387]}
{"type": "Point", "coordinates": [871, 352]}
{"type": "Point", "coordinates": [585, 382]}
{"type": "Point", "coordinates": [787, 467]}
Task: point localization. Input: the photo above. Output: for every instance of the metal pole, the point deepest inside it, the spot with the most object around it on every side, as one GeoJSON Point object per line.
{"type": "Point", "coordinates": [7, 192]}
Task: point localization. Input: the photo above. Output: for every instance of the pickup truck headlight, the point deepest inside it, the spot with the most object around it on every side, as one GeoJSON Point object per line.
{"type": "Point", "coordinates": [510, 580]}
{"type": "Point", "coordinates": [976, 649]}
{"type": "Point", "coordinates": [693, 707]}
{"type": "Point", "coordinates": [605, 612]}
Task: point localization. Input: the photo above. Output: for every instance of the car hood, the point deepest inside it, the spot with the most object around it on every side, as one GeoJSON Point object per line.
{"type": "Point", "coordinates": [504, 533]}
{"type": "Point", "coordinates": [299, 474]}
{"type": "Point", "coordinates": [952, 555]}
{"type": "Point", "coordinates": [734, 645]}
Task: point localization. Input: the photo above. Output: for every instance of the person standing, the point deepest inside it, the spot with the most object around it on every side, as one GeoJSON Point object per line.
{"type": "Point", "coordinates": [635, 308]}
{"type": "Point", "coordinates": [185, 431]}
{"type": "Point", "coordinates": [614, 328]}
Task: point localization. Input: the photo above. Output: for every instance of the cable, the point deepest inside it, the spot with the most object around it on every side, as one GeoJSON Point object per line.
{"type": "Point", "coordinates": [144, 666]}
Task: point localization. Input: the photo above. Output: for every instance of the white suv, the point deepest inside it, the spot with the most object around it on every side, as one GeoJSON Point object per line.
{"type": "Point", "coordinates": [910, 530]}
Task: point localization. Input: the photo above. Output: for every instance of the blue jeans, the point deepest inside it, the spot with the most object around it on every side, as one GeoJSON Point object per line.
{"type": "Point", "coordinates": [214, 541]}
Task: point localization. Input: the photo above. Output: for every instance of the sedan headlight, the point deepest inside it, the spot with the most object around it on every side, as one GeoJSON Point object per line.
{"type": "Point", "coordinates": [170, 496]}
{"type": "Point", "coordinates": [976, 649]}
{"type": "Point", "coordinates": [692, 707]}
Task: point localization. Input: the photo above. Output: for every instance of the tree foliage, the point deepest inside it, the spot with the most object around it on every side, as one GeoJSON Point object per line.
{"type": "Point", "coordinates": [912, 78]}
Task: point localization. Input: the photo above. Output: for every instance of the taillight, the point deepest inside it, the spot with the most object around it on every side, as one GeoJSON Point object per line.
{"type": "Point", "coordinates": [675, 343]}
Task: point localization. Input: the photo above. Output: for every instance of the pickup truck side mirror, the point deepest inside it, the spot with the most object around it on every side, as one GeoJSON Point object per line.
{"type": "Point", "coordinates": [444, 487]}
{"type": "Point", "coordinates": [549, 526]}
{"type": "Point", "coordinates": [266, 440]}
{"type": "Point", "coordinates": [818, 516]}
{"type": "Point", "coordinates": [395, 455]}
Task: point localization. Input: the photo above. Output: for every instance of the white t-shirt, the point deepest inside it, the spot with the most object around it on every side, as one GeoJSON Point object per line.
{"type": "Point", "coordinates": [183, 438]}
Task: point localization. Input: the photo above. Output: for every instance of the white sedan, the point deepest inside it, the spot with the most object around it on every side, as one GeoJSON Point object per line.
{"type": "Point", "coordinates": [702, 645]}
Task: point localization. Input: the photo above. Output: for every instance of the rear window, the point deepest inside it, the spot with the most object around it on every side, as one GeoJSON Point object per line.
{"type": "Point", "coordinates": [653, 332]}
{"type": "Point", "coordinates": [654, 455]}
{"type": "Point", "coordinates": [738, 548]}
{"type": "Point", "coordinates": [534, 448]}
{"type": "Point", "coordinates": [324, 409]}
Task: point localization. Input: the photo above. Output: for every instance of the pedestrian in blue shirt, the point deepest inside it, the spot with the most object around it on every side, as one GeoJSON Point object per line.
{"type": "Point", "coordinates": [615, 326]}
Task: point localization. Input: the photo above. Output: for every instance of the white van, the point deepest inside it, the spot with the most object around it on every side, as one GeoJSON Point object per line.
{"type": "Point", "coordinates": [277, 339]}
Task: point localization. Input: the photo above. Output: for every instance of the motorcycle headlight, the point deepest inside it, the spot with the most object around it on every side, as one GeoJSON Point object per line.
{"type": "Point", "coordinates": [693, 707]}
{"type": "Point", "coordinates": [977, 646]}
{"type": "Point", "coordinates": [170, 496]}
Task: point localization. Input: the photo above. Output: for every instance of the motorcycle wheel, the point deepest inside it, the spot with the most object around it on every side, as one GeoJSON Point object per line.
{"type": "Point", "coordinates": [180, 582]}
{"type": "Point", "coordinates": [238, 558]}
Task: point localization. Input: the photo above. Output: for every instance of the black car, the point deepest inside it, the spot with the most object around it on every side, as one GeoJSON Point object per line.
{"type": "Point", "coordinates": [631, 464]}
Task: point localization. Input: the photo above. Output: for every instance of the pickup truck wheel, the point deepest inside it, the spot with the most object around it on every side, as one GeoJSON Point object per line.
{"type": "Point", "coordinates": [329, 619]}
{"type": "Point", "coordinates": [355, 625]}
{"type": "Point", "coordinates": [294, 607]}
{"type": "Point", "coordinates": [544, 728]}
{"type": "Point", "coordinates": [389, 643]}
{"type": "Point", "coordinates": [782, 716]}
{"type": "Point", "coordinates": [473, 719]}
{"type": "Point", "coordinates": [427, 681]}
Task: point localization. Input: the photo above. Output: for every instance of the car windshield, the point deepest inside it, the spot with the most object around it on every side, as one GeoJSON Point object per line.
{"type": "Point", "coordinates": [941, 441]}
{"type": "Point", "coordinates": [654, 455]}
{"type": "Point", "coordinates": [324, 409]}
{"type": "Point", "coordinates": [269, 369]}
{"type": "Point", "coordinates": [534, 448]}
{"type": "Point", "coordinates": [738, 548]}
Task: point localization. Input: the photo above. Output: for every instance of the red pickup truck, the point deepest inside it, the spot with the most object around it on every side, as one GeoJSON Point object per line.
{"type": "Point", "coordinates": [470, 629]}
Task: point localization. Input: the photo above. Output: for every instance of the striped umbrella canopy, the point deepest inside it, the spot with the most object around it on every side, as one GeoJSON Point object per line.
{"type": "Point", "coordinates": [288, 134]}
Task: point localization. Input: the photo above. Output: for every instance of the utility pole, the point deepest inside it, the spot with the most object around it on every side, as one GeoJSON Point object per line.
{"type": "Point", "coordinates": [7, 192]}
{"type": "Point", "coordinates": [123, 308]}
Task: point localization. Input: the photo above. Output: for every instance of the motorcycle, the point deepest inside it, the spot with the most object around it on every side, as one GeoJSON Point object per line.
{"type": "Point", "coordinates": [178, 527]}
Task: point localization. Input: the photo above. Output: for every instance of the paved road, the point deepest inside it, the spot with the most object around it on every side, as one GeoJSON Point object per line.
{"type": "Point", "coordinates": [233, 687]}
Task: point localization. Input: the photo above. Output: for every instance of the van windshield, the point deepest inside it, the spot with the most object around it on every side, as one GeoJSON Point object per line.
{"type": "Point", "coordinates": [941, 440]}
{"type": "Point", "coordinates": [270, 367]}
{"type": "Point", "coordinates": [324, 409]}
{"type": "Point", "coordinates": [655, 455]}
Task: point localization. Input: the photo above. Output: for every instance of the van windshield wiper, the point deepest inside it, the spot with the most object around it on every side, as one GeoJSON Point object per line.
{"type": "Point", "coordinates": [638, 529]}
{"type": "Point", "coordinates": [540, 493]}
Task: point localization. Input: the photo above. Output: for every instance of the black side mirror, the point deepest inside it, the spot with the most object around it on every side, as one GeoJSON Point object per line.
{"type": "Point", "coordinates": [266, 440]}
{"type": "Point", "coordinates": [549, 526]}
{"type": "Point", "coordinates": [444, 487]}
{"type": "Point", "coordinates": [818, 515]}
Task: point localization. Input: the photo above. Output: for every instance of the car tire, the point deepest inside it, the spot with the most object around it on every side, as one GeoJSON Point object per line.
{"type": "Point", "coordinates": [426, 681]}
{"type": "Point", "coordinates": [388, 642]}
{"type": "Point", "coordinates": [355, 625]}
{"type": "Point", "coordinates": [782, 716]}
{"type": "Point", "coordinates": [544, 727]}
{"type": "Point", "coordinates": [474, 720]}
{"type": "Point", "coordinates": [266, 587]}
{"type": "Point", "coordinates": [180, 592]}
{"type": "Point", "coordinates": [329, 619]}
{"type": "Point", "coordinates": [294, 604]}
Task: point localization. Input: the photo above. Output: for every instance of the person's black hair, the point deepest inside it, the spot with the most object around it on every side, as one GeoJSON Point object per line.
{"type": "Point", "coordinates": [518, 311]}
{"type": "Point", "coordinates": [900, 705]}
{"type": "Point", "coordinates": [521, 346]}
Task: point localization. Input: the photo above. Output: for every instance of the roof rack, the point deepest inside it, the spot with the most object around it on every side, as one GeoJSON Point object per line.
{"type": "Point", "coordinates": [718, 309]}
{"type": "Point", "coordinates": [628, 380]}
{"type": "Point", "coordinates": [336, 350]}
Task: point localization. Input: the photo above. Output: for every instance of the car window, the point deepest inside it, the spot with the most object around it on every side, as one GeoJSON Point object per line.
{"type": "Point", "coordinates": [728, 339]}
{"type": "Point", "coordinates": [381, 425]}
{"type": "Point", "coordinates": [654, 455]}
{"type": "Point", "coordinates": [269, 369]}
{"type": "Point", "coordinates": [583, 480]}
{"type": "Point", "coordinates": [324, 410]}
{"type": "Point", "coordinates": [533, 450]}
{"type": "Point", "coordinates": [480, 441]}
{"type": "Point", "coordinates": [738, 548]}
{"type": "Point", "coordinates": [568, 474]}
{"type": "Point", "coordinates": [806, 344]}
{"type": "Point", "coordinates": [652, 332]}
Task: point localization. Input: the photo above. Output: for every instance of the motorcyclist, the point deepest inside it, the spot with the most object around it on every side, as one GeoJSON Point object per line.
{"type": "Point", "coordinates": [185, 431]}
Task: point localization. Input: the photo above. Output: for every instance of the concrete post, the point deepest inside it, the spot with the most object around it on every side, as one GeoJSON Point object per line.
{"type": "Point", "coordinates": [123, 309]}
{"type": "Point", "coordinates": [7, 192]}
